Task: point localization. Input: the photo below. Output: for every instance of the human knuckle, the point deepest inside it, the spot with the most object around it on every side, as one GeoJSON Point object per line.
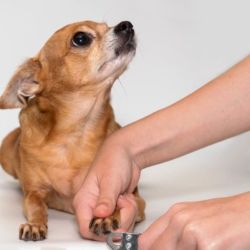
{"type": "Point", "coordinates": [132, 201]}
{"type": "Point", "coordinates": [196, 233]}
{"type": "Point", "coordinates": [177, 207]}
{"type": "Point", "coordinates": [204, 242]}
{"type": "Point", "coordinates": [179, 219]}
{"type": "Point", "coordinates": [191, 231]}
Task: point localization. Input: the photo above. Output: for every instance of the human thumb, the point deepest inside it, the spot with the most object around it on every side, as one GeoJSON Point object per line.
{"type": "Point", "coordinates": [109, 193]}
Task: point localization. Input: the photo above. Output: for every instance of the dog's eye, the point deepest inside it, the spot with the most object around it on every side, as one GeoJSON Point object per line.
{"type": "Point", "coordinates": [81, 39]}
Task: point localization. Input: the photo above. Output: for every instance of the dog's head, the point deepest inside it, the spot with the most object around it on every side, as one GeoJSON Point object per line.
{"type": "Point", "coordinates": [80, 55]}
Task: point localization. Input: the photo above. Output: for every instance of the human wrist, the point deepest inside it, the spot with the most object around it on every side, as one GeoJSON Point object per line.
{"type": "Point", "coordinates": [129, 139]}
{"type": "Point", "coordinates": [124, 140]}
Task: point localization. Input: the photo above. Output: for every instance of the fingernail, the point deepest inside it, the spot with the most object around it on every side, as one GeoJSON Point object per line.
{"type": "Point", "coordinates": [102, 206]}
{"type": "Point", "coordinates": [102, 210]}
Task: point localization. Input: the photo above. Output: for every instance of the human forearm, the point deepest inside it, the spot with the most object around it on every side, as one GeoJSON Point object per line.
{"type": "Point", "coordinates": [218, 110]}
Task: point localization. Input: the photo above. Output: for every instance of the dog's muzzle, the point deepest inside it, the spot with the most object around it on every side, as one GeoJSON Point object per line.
{"type": "Point", "coordinates": [125, 34]}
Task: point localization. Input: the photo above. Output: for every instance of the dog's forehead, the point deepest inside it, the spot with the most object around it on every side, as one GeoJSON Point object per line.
{"type": "Point", "coordinates": [58, 43]}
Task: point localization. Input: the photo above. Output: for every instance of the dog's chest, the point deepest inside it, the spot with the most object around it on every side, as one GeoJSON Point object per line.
{"type": "Point", "coordinates": [60, 167]}
{"type": "Point", "coordinates": [65, 180]}
{"type": "Point", "coordinates": [71, 165]}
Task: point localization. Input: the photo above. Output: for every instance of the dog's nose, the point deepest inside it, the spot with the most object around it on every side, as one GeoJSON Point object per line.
{"type": "Point", "coordinates": [124, 27]}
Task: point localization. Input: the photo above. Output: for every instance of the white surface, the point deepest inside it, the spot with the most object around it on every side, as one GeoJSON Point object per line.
{"type": "Point", "coordinates": [182, 45]}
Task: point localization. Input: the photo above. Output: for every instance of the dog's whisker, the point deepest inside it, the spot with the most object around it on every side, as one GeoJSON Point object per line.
{"type": "Point", "coordinates": [123, 88]}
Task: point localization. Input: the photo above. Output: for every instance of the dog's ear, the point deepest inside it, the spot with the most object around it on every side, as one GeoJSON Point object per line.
{"type": "Point", "coordinates": [22, 86]}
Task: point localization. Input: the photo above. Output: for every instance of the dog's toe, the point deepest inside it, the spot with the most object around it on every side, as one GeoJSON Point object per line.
{"type": "Point", "coordinates": [103, 226]}
{"type": "Point", "coordinates": [32, 232]}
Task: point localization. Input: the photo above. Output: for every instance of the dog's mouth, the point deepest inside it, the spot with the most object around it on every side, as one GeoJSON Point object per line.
{"type": "Point", "coordinates": [126, 47]}
{"type": "Point", "coordinates": [122, 45]}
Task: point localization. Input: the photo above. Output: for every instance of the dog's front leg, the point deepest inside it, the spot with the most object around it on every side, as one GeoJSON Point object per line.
{"type": "Point", "coordinates": [35, 210]}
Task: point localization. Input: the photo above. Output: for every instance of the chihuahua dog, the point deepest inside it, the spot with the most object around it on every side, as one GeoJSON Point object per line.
{"type": "Point", "coordinates": [64, 96]}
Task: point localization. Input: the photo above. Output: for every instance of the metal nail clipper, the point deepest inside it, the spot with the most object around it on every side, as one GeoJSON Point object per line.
{"type": "Point", "coordinates": [123, 241]}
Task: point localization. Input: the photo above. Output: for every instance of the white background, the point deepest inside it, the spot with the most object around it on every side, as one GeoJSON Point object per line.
{"type": "Point", "coordinates": [182, 44]}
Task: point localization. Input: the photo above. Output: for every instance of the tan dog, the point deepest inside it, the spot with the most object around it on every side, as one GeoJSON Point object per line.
{"type": "Point", "coordinates": [64, 94]}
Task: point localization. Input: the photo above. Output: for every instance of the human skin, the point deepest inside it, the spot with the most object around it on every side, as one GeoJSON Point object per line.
{"type": "Point", "coordinates": [218, 110]}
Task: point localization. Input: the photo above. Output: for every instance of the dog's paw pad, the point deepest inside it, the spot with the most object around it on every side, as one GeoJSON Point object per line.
{"type": "Point", "coordinates": [100, 226]}
{"type": "Point", "coordinates": [32, 232]}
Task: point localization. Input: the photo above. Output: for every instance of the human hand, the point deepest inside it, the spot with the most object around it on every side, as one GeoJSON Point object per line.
{"type": "Point", "coordinates": [113, 173]}
{"type": "Point", "coordinates": [215, 224]}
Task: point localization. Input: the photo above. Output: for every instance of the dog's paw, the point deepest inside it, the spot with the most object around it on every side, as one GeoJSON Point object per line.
{"type": "Point", "coordinates": [33, 232]}
{"type": "Point", "coordinates": [102, 226]}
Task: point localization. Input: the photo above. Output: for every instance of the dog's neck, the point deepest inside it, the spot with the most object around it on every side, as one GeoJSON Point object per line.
{"type": "Point", "coordinates": [76, 109]}
{"type": "Point", "coordinates": [68, 113]}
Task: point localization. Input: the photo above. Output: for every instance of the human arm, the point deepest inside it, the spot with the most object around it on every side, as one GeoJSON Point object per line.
{"type": "Point", "coordinates": [218, 110]}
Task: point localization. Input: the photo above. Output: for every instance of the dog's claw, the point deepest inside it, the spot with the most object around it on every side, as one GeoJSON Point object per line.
{"type": "Point", "coordinates": [27, 236]}
{"type": "Point", "coordinates": [32, 232]}
{"type": "Point", "coordinates": [103, 226]}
